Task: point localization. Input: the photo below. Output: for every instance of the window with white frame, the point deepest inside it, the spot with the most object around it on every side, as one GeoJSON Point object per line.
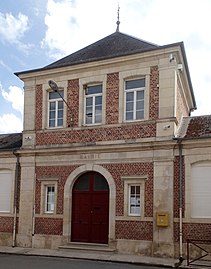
{"type": "Point", "coordinates": [55, 109]}
{"type": "Point", "coordinates": [201, 190]}
{"type": "Point", "coordinates": [134, 99]}
{"type": "Point", "coordinates": [134, 205]}
{"type": "Point", "coordinates": [134, 192]}
{"type": "Point", "coordinates": [6, 188]}
{"type": "Point", "coordinates": [93, 104]}
{"type": "Point", "coordinates": [49, 199]}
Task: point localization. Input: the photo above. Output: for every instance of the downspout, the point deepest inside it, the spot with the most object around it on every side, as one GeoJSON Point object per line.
{"type": "Point", "coordinates": [181, 259]}
{"type": "Point", "coordinates": [15, 198]}
{"type": "Point", "coordinates": [180, 199]}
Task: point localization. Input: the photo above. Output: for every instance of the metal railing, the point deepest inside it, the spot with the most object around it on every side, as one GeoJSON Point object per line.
{"type": "Point", "coordinates": [204, 252]}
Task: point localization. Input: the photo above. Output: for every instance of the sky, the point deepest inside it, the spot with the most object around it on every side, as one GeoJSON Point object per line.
{"type": "Point", "coordinates": [35, 33]}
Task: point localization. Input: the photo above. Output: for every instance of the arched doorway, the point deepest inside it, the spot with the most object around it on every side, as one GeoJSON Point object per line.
{"type": "Point", "coordinates": [90, 209]}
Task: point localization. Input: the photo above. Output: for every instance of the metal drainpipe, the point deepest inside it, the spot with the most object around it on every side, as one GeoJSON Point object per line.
{"type": "Point", "coordinates": [179, 141]}
{"type": "Point", "coordinates": [15, 199]}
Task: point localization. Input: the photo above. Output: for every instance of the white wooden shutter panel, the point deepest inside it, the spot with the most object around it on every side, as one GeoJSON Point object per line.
{"type": "Point", "coordinates": [201, 192]}
{"type": "Point", "coordinates": [5, 191]}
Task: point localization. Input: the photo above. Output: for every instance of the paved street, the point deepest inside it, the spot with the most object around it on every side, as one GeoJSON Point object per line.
{"type": "Point", "coordinates": [9, 261]}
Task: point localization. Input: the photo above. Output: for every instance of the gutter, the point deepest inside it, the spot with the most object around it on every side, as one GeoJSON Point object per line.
{"type": "Point", "coordinates": [15, 198]}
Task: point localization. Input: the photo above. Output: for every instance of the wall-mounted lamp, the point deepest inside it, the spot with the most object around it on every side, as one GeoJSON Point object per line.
{"type": "Point", "coordinates": [54, 87]}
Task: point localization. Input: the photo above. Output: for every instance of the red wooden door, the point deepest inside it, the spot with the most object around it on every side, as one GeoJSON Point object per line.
{"type": "Point", "coordinates": [90, 209]}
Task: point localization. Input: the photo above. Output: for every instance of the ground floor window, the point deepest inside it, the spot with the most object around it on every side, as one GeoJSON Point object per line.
{"type": "Point", "coordinates": [50, 199]}
{"type": "Point", "coordinates": [201, 190]}
{"type": "Point", "coordinates": [49, 192]}
{"type": "Point", "coordinates": [134, 208]}
{"type": "Point", "coordinates": [134, 192]}
{"type": "Point", "coordinates": [6, 191]}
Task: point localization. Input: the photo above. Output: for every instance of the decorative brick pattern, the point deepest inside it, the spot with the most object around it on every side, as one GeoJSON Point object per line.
{"type": "Point", "coordinates": [73, 102]}
{"type": "Point", "coordinates": [181, 109]}
{"type": "Point", "coordinates": [130, 131]}
{"type": "Point", "coordinates": [177, 186]}
{"type": "Point", "coordinates": [154, 93]}
{"type": "Point", "coordinates": [134, 230]}
{"type": "Point", "coordinates": [199, 127]}
{"type": "Point", "coordinates": [50, 226]}
{"type": "Point", "coordinates": [124, 169]}
{"type": "Point", "coordinates": [61, 172]}
{"type": "Point", "coordinates": [6, 224]}
{"type": "Point", "coordinates": [39, 103]}
{"type": "Point", "coordinates": [196, 231]}
{"type": "Point", "coordinates": [18, 190]}
{"type": "Point", "coordinates": [112, 98]}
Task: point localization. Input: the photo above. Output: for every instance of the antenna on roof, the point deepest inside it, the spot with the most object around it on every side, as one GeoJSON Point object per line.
{"type": "Point", "coordinates": [118, 22]}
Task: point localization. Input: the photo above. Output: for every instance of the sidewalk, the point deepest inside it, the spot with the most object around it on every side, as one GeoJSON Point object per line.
{"type": "Point", "coordinates": [134, 259]}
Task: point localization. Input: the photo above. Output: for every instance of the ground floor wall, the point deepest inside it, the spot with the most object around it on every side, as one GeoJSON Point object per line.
{"type": "Point", "coordinates": [154, 232]}
{"type": "Point", "coordinates": [152, 171]}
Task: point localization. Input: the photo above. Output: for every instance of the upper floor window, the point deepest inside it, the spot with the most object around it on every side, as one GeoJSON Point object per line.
{"type": "Point", "coordinates": [93, 104]}
{"type": "Point", "coordinates": [134, 99]}
{"type": "Point", "coordinates": [55, 109]}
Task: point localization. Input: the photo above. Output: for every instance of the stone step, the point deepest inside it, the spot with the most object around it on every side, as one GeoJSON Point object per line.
{"type": "Point", "coordinates": [88, 247]}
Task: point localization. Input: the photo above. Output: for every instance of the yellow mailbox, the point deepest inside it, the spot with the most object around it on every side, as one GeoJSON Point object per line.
{"type": "Point", "coordinates": [162, 219]}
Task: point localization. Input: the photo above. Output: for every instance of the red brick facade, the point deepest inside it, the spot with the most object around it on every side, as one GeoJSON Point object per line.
{"type": "Point", "coordinates": [6, 224]}
{"type": "Point", "coordinates": [87, 135]}
{"type": "Point", "coordinates": [177, 186]}
{"type": "Point", "coordinates": [73, 102]}
{"type": "Point", "coordinates": [128, 169]}
{"type": "Point", "coordinates": [50, 226]}
{"type": "Point", "coordinates": [131, 131]}
{"type": "Point", "coordinates": [193, 231]}
{"type": "Point", "coordinates": [134, 230]}
{"type": "Point", "coordinates": [154, 93]}
{"type": "Point", "coordinates": [39, 107]}
{"type": "Point", "coordinates": [112, 98]}
{"type": "Point", "coordinates": [59, 172]}
{"type": "Point", "coordinates": [116, 170]}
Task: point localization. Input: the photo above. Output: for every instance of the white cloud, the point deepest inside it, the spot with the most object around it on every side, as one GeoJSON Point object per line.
{"type": "Point", "coordinates": [61, 24]}
{"type": "Point", "coordinates": [14, 96]}
{"type": "Point", "coordinates": [72, 25]}
{"type": "Point", "coordinates": [12, 29]}
{"type": "Point", "coordinates": [9, 123]}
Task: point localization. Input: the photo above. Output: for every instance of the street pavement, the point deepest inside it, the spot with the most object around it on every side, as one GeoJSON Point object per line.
{"type": "Point", "coordinates": [87, 255]}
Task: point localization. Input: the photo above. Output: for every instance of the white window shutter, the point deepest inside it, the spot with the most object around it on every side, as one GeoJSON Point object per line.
{"type": "Point", "coordinates": [5, 191]}
{"type": "Point", "coordinates": [201, 192]}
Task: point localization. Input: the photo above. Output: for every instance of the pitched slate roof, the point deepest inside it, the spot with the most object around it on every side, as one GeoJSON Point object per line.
{"type": "Point", "coordinates": [114, 45]}
{"type": "Point", "coordinates": [10, 141]}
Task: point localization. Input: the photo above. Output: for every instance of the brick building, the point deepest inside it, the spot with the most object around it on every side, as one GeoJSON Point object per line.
{"type": "Point", "coordinates": [117, 164]}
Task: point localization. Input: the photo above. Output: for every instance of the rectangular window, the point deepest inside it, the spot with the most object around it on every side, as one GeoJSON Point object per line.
{"type": "Point", "coordinates": [5, 191]}
{"type": "Point", "coordinates": [50, 199]}
{"type": "Point", "coordinates": [134, 99]}
{"type": "Point", "coordinates": [55, 109]}
{"type": "Point", "coordinates": [201, 190]}
{"type": "Point", "coordinates": [134, 200]}
{"type": "Point", "coordinates": [93, 104]}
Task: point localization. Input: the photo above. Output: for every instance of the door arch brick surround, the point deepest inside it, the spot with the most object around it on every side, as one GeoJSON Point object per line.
{"type": "Point", "coordinates": [68, 198]}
